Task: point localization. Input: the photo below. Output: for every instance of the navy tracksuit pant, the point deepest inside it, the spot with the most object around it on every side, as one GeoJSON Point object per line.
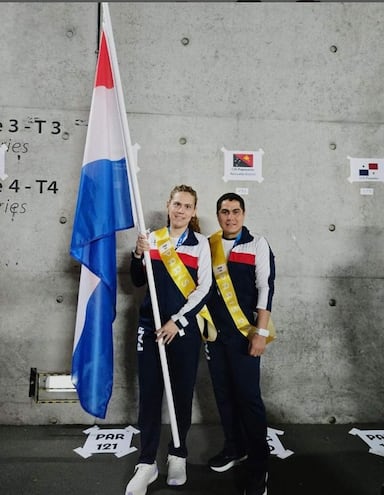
{"type": "Point", "coordinates": [236, 382]}
{"type": "Point", "coordinates": [183, 359]}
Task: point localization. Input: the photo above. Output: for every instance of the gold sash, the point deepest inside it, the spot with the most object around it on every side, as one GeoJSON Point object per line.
{"type": "Point", "coordinates": [182, 278]}
{"type": "Point", "coordinates": [224, 283]}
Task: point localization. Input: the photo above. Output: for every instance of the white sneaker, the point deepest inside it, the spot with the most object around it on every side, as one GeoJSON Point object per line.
{"type": "Point", "coordinates": [145, 474]}
{"type": "Point", "coordinates": [176, 470]}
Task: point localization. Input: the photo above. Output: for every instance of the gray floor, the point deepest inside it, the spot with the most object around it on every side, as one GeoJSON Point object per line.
{"type": "Point", "coordinates": [326, 460]}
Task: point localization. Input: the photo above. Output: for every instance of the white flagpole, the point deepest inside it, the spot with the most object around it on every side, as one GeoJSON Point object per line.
{"type": "Point", "coordinates": [131, 169]}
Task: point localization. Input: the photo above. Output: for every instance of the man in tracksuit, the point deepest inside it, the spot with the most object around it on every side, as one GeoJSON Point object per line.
{"type": "Point", "coordinates": [244, 269]}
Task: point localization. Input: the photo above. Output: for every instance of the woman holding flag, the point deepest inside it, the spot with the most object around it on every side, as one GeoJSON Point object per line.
{"type": "Point", "coordinates": [181, 262]}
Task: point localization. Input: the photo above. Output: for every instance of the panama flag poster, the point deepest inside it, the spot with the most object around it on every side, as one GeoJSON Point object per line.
{"type": "Point", "coordinates": [366, 169]}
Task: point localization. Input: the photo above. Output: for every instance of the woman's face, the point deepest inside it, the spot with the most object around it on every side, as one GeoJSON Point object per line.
{"type": "Point", "coordinates": [181, 208]}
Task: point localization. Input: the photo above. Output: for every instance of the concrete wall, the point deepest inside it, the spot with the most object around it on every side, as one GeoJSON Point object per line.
{"type": "Point", "coordinates": [302, 81]}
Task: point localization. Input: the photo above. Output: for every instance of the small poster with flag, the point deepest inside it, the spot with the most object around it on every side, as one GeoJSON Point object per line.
{"type": "Point", "coordinates": [366, 169]}
{"type": "Point", "coordinates": [242, 165]}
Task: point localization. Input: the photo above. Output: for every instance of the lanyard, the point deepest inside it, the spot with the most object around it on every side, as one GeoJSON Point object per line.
{"type": "Point", "coordinates": [178, 271]}
{"type": "Point", "coordinates": [228, 293]}
{"type": "Point", "coordinates": [181, 239]}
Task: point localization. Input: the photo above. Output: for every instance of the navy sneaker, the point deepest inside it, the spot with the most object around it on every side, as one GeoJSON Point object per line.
{"type": "Point", "coordinates": [222, 462]}
{"type": "Point", "coordinates": [257, 487]}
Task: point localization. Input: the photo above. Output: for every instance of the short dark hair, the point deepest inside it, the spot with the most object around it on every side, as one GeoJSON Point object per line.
{"type": "Point", "coordinates": [231, 196]}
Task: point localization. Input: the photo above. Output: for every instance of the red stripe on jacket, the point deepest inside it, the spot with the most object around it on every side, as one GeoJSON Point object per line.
{"type": "Point", "coordinates": [246, 258]}
{"type": "Point", "coordinates": [187, 259]}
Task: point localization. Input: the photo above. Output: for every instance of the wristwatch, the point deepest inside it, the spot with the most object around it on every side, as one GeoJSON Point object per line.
{"type": "Point", "coordinates": [263, 332]}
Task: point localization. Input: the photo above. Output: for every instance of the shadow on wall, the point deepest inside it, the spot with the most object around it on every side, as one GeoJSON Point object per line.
{"type": "Point", "coordinates": [205, 409]}
{"type": "Point", "coordinates": [358, 331]}
{"type": "Point", "coordinates": [132, 297]}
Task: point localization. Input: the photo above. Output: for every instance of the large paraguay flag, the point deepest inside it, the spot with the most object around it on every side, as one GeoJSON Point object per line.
{"type": "Point", "coordinates": [103, 207]}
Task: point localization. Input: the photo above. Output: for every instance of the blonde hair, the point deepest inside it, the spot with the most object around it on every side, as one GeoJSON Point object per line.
{"type": "Point", "coordinates": [194, 222]}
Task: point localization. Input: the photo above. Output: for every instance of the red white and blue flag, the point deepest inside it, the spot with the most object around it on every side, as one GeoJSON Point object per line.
{"type": "Point", "coordinates": [366, 169]}
{"type": "Point", "coordinates": [104, 207]}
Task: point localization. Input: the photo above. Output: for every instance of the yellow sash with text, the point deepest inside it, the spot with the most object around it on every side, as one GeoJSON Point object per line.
{"type": "Point", "coordinates": [224, 283]}
{"type": "Point", "coordinates": [182, 278]}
